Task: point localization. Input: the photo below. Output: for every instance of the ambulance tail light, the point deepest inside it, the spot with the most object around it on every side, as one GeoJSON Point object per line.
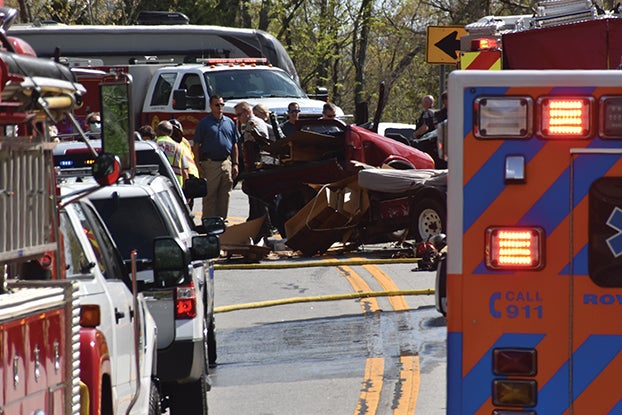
{"type": "Point", "coordinates": [610, 117]}
{"type": "Point", "coordinates": [514, 248]}
{"type": "Point", "coordinates": [514, 392]}
{"type": "Point", "coordinates": [514, 362]}
{"type": "Point", "coordinates": [185, 302]}
{"type": "Point", "coordinates": [565, 117]}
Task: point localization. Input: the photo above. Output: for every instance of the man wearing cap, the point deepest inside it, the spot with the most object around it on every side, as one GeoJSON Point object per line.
{"type": "Point", "coordinates": [173, 151]}
{"type": "Point", "coordinates": [186, 147]}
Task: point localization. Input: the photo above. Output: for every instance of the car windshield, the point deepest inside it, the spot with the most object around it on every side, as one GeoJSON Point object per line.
{"type": "Point", "coordinates": [133, 223]}
{"type": "Point", "coordinates": [259, 83]}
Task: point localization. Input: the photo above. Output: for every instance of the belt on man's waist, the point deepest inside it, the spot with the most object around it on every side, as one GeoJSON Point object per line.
{"type": "Point", "coordinates": [206, 158]}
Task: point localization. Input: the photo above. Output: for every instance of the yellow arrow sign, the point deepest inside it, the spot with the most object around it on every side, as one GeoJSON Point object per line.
{"type": "Point", "coordinates": [443, 43]}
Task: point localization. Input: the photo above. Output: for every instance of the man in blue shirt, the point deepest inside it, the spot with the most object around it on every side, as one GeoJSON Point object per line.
{"type": "Point", "coordinates": [216, 148]}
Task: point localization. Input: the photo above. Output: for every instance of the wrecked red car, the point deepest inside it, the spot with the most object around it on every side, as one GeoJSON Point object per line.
{"type": "Point", "coordinates": [325, 152]}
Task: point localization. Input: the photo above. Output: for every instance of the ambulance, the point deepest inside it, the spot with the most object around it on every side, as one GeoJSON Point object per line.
{"type": "Point", "coordinates": [534, 228]}
{"type": "Point", "coordinates": [534, 264]}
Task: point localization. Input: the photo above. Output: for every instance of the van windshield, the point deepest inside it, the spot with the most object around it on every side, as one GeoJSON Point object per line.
{"type": "Point", "coordinates": [258, 83]}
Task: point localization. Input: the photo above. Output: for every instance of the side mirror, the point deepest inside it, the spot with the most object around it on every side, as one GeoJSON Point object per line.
{"type": "Point", "coordinates": [195, 187]}
{"type": "Point", "coordinates": [213, 225]}
{"type": "Point", "coordinates": [118, 122]}
{"type": "Point", "coordinates": [205, 247]}
{"type": "Point", "coordinates": [170, 261]}
{"type": "Point", "coordinates": [180, 100]}
{"type": "Point", "coordinates": [106, 169]}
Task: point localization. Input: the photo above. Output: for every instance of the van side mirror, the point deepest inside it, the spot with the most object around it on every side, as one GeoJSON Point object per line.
{"type": "Point", "coordinates": [213, 225]}
{"type": "Point", "coordinates": [118, 120]}
{"type": "Point", "coordinates": [205, 247]}
{"type": "Point", "coordinates": [170, 262]}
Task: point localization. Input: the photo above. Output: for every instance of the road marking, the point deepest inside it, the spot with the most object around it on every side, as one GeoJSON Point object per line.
{"type": "Point", "coordinates": [371, 387]}
{"type": "Point", "coordinates": [408, 385]}
{"type": "Point", "coordinates": [398, 302]}
{"type": "Point", "coordinates": [369, 305]}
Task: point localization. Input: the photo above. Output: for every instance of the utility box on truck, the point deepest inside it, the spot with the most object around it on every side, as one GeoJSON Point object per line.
{"type": "Point", "coordinates": [39, 344]}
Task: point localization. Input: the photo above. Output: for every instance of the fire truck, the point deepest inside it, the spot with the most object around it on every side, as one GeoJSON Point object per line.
{"type": "Point", "coordinates": [561, 34]}
{"type": "Point", "coordinates": [534, 262]}
{"type": "Point", "coordinates": [39, 330]}
{"type": "Point", "coordinates": [73, 337]}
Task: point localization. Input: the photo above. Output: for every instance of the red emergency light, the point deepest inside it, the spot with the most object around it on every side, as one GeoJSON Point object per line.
{"type": "Point", "coordinates": [565, 117]}
{"type": "Point", "coordinates": [234, 61]}
{"type": "Point", "coordinates": [485, 43]}
{"type": "Point", "coordinates": [513, 248]}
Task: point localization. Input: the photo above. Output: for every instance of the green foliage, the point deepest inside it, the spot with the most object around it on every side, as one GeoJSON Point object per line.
{"type": "Point", "coordinates": [325, 38]}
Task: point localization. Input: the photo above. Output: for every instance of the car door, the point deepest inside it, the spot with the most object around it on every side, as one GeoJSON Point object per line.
{"type": "Point", "coordinates": [200, 277]}
{"type": "Point", "coordinates": [114, 297]}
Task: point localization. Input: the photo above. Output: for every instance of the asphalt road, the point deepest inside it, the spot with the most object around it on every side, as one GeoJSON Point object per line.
{"type": "Point", "coordinates": [379, 355]}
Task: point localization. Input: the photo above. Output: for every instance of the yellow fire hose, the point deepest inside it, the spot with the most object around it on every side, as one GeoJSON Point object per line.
{"type": "Point", "coordinates": [292, 300]}
{"type": "Point", "coordinates": [320, 263]}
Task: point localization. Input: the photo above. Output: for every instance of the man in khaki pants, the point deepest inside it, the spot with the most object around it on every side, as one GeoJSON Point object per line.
{"type": "Point", "coordinates": [216, 148]}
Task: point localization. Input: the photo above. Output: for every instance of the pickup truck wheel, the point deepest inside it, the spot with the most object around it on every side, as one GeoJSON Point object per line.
{"type": "Point", "coordinates": [191, 398]}
{"type": "Point", "coordinates": [154, 400]}
{"type": "Point", "coordinates": [211, 343]}
{"type": "Point", "coordinates": [429, 218]}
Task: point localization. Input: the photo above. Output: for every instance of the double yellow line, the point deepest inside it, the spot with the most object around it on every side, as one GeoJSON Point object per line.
{"type": "Point", "coordinates": [407, 388]}
{"type": "Point", "coordinates": [371, 386]}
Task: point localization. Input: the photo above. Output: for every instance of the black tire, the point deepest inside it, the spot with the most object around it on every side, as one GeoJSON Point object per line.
{"type": "Point", "coordinates": [440, 293]}
{"type": "Point", "coordinates": [429, 217]}
{"type": "Point", "coordinates": [191, 398]}
{"type": "Point", "coordinates": [400, 165]}
{"type": "Point", "coordinates": [211, 343]}
{"type": "Point", "coordinates": [154, 400]}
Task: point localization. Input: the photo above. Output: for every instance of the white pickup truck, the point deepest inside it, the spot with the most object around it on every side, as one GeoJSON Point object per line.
{"type": "Point", "coordinates": [175, 275]}
{"type": "Point", "coordinates": [118, 361]}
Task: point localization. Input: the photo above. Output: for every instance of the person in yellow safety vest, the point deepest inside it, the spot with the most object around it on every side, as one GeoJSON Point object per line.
{"type": "Point", "coordinates": [186, 147]}
{"type": "Point", "coordinates": [173, 150]}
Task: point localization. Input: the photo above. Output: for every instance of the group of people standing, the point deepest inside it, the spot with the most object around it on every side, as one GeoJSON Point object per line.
{"type": "Point", "coordinates": [216, 147]}
{"type": "Point", "coordinates": [215, 150]}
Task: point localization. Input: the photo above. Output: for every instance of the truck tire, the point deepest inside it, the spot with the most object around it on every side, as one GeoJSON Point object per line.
{"type": "Point", "coordinates": [154, 400]}
{"type": "Point", "coordinates": [429, 217]}
{"type": "Point", "coordinates": [191, 398]}
{"type": "Point", "coordinates": [211, 343]}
